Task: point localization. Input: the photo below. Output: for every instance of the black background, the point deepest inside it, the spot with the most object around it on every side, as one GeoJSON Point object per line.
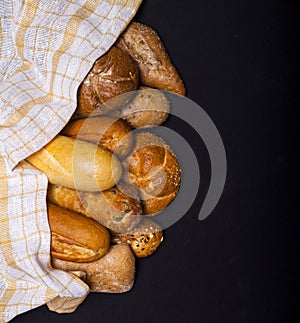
{"type": "Point", "coordinates": [240, 63]}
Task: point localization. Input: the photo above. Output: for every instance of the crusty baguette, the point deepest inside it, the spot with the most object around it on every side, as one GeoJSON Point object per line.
{"type": "Point", "coordinates": [146, 47]}
{"type": "Point", "coordinates": [111, 133]}
{"type": "Point", "coordinates": [113, 273]}
{"type": "Point", "coordinates": [112, 76]}
{"type": "Point", "coordinates": [144, 239]}
{"type": "Point", "coordinates": [77, 164]}
{"type": "Point", "coordinates": [118, 209]}
{"type": "Point", "coordinates": [75, 237]}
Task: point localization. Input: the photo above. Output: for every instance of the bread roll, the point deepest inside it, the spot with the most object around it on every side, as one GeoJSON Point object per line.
{"type": "Point", "coordinates": [117, 209]}
{"type": "Point", "coordinates": [144, 239]}
{"type": "Point", "coordinates": [77, 164]}
{"type": "Point", "coordinates": [112, 75]}
{"type": "Point", "coordinates": [111, 133]}
{"type": "Point", "coordinates": [113, 273]}
{"type": "Point", "coordinates": [147, 49]}
{"type": "Point", "coordinates": [150, 107]}
{"type": "Point", "coordinates": [75, 237]}
{"type": "Point", "coordinates": [154, 169]}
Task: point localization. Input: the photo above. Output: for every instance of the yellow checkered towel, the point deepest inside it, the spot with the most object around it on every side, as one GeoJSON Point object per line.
{"type": "Point", "coordinates": [46, 49]}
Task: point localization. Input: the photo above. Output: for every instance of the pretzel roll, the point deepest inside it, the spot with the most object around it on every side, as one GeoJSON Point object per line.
{"type": "Point", "coordinates": [112, 75]}
{"type": "Point", "coordinates": [77, 164]}
{"type": "Point", "coordinates": [154, 169]}
{"type": "Point", "coordinates": [111, 133]}
{"type": "Point", "coordinates": [75, 237]}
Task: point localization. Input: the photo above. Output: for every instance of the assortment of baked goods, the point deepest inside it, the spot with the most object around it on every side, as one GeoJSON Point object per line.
{"type": "Point", "coordinates": [107, 182]}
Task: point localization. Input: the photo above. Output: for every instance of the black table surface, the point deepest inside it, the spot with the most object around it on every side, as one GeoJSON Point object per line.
{"type": "Point", "coordinates": [240, 62]}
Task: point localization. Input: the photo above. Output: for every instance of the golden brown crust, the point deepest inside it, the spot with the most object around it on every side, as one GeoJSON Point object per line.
{"type": "Point", "coordinates": [111, 133]}
{"type": "Point", "coordinates": [144, 239]}
{"type": "Point", "coordinates": [118, 209]}
{"type": "Point", "coordinates": [150, 107]}
{"type": "Point", "coordinates": [146, 47]}
{"type": "Point", "coordinates": [75, 237]}
{"type": "Point", "coordinates": [112, 75]}
{"type": "Point", "coordinates": [94, 167]}
{"type": "Point", "coordinates": [154, 169]}
{"type": "Point", "coordinates": [113, 273]}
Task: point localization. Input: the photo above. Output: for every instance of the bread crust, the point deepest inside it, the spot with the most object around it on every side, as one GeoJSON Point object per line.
{"type": "Point", "coordinates": [75, 237]}
{"type": "Point", "coordinates": [112, 76]}
{"type": "Point", "coordinates": [77, 164]}
{"type": "Point", "coordinates": [113, 273]}
{"type": "Point", "coordinates": [150, 107]}
{"type": "Point", "coordinates": [111, 133]}
{"type": "Point", "coordinates": [155, 170]}
{"type": "Point", "coordinates": [119, 209]}
{"type": "Point", "coordinates": [144, 239]}
{"type": "Point", "coordinates": [147, 49]}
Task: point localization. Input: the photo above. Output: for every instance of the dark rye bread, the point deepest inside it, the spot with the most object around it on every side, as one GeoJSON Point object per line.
{"type": "Point", "coordinates": [144, 239]}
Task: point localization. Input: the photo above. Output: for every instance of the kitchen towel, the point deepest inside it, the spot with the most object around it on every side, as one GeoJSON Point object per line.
{"type": "Point", "coordinates": [46, 49]}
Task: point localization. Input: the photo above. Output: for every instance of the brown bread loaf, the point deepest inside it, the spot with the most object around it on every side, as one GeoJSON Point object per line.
{"type": "Point", "coordinates": [113, 273]}
{"type": "Point", "coordinates": [154, 169]}
{"type": "Point", "coordinates": [117, 209]}
{"type": "Point", "coordinates": [144, 239]}
{"type": "Point", "coordinates": [147, 49]}
{"type": "Point", "coordinates": [75, 237]}
{"type": "Point", "coordinates": [112, 75]}
{"type": "Point", "coordinates": [77, 164]}
{"type": "Point", "coordinates": [111, 133]}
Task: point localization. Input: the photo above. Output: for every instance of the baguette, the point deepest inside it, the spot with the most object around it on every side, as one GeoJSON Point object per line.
{"type": "Point", "coordinates": [77, 164]}
{"type": "Point", "coordinates": [75, 237]}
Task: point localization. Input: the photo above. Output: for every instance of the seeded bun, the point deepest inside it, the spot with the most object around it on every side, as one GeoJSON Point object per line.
{"type": "Point", "coordinates": [154, 169]}
{"type": "Point", "coordinates": [144, 239]}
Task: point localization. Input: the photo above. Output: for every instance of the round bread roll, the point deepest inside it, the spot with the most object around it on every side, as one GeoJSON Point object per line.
{"type": "Point", "coordinates": [156, 68]}
{"type": "Point", "coordinates": [112, 75]}
{"type": "Point", "coordinates": [77, 164]}
{"type": "Point", "coordinates": [144, 239]}
{"type": "Point", "coordinates": [118, 209]}
{"type": "Point", "coordinates": [154, 169]}
{"type": "Point", "coordinates": [113, 273]}
{"type": "Point", "coordinates": [150, 107]}
{"type": "Point", "coordinates": [75, 237]}
{"type": "Point", "coordinates": [111, 133]}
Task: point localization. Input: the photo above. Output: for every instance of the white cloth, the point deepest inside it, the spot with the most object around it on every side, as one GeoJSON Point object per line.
{"type": "Point", "coordinates": [46, 49]}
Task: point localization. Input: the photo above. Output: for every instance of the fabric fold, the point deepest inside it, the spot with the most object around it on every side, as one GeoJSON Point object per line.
{"type": "Point", "coordinates": [46, 49]}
